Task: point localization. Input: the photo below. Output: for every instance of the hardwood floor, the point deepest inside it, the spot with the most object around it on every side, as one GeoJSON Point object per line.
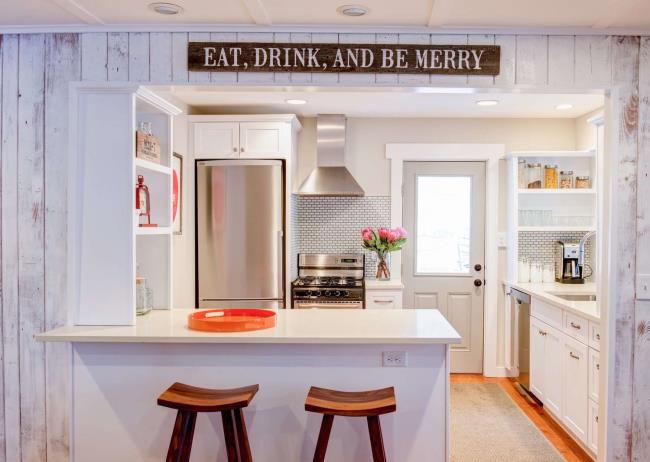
{"type": "Point", "coordinates": [553, 432]}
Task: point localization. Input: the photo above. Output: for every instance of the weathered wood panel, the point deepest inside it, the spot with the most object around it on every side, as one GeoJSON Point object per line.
{"type": "Point", "coordinates": [31, 268]}
{"type": "Point", "coordinates": [94, 56]}
{"type": "Point", "coordinates": [455, 39]}
{"type": "Point", "coordinates": [10, 276]}
{"type": "Point", "coordinates": [118, 56]}
{"type": "Point", "coordinates": [63, 65]}
{"type": "Point", "coordinates": [160, 59]}
{"type": "Point", "coordinates": [625, 74]}
{"type": "Point", "coordinates": [179, 57]}
{"type": "Point", "coordinates": [532, 60]}
{"type": "Point", "coordinates": [199, 77]}
{"type": "Point", "coordinates": [223, 77]}
{"type": "Point", "coordinates": [416, 39]}
{"type": "Point", "coordinates": [593, 61]}
{"type": "Point", "coordinates": [300, 77]}
{"type": "Point", "coordinates": [561, 61]}
{"type": "Point", "coordinates": [319, 77]}
{"type": "Point", "coordinates": [387, 39]}
{"type": "Point", "coordinates": [255, 77]}
{"type": "Point", "coordinates": [480, 80]}
{"type": "Point", "coordinates": [508, 44]}
{"type": "Point", "coordinates": [2, 392]}
{"type": "Point", "coordinates": [640, 403]}
{"type": "Point", "coordinates": [357, 79]}
{"type": "Point", "coordinates": [139, 56]}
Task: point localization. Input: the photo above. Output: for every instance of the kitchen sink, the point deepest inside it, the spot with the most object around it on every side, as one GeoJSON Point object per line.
{"type": "Point", "coordinates": [575, 297]}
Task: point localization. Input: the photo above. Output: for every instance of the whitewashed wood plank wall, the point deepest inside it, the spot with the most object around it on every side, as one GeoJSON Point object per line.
{"type": "Point", "coordinates": [34, 73]}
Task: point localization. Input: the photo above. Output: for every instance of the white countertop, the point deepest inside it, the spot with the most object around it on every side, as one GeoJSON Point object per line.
{"type": "Point", "coordinates": [343, 326]}
{"type": "Point", "coordinates": [588, 310]}
{"type": "Point", "coordinates": [391, 284]}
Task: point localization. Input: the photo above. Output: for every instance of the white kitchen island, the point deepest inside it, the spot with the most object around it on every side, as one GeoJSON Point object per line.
{"type": "Point", "coordinates": [118, 372]}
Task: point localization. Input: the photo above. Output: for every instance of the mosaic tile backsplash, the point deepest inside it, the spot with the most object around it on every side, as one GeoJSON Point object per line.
{"type": "Point", "coordinates": [334, 224]}
{"type": "Point", "coordinates": [539, 246]}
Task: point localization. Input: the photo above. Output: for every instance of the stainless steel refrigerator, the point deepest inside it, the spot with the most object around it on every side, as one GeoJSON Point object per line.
{"type": "Point", "coordinates": [240, 234]}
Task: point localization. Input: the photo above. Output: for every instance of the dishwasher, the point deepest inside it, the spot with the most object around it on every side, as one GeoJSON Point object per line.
{"type": "Point", "coordinates": [521, 335]}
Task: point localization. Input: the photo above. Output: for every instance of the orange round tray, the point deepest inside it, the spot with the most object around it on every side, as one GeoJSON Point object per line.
{"type": "Point", "coordinates": [231, 320]}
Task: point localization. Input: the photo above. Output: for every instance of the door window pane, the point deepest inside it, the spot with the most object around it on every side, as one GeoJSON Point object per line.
{"type": "Point", "coordinates": [443, 217]}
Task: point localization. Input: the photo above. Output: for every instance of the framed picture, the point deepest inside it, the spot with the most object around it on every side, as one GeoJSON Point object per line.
{"type": "Point", "coordinates": [177, 193]}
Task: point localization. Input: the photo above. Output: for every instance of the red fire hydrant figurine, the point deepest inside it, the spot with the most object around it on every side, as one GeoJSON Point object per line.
{"type": "Point", "coordinates": [142, 203]}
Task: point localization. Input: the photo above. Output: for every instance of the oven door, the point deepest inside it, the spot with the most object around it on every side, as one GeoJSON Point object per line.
{"type": "Point", "coordinates": [304, 304]}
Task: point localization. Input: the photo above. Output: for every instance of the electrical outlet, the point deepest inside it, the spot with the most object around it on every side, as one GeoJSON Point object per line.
{"type": "Point", "coordinates": [394, 359]}
{"type": "Point", "coordinates": [502, 240]}
{"type": "Point", "coordinates": [643, 287]}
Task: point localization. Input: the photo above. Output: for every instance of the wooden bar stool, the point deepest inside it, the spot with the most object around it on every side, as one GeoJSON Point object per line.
{"type": "Point", "coordinates": [189, 400]}
{"type": "Point", "coordinates": [370, 404]}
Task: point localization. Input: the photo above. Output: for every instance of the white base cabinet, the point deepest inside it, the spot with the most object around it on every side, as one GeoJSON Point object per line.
{"type": "Point", "coordinates": [565, 370]}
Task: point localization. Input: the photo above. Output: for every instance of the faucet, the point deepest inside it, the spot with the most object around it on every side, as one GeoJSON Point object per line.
{"type": "Point", "coordinates": [583, 241]}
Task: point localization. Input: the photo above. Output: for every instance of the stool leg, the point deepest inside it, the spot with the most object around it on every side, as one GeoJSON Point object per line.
{"type": "Point", "coordinates": [181, 440]}
{"type": "Point", "coordinates": [242, 437]}
{"type": "Point", "coordinates": [323, 437]}
{"type": "Point", "coordinates": [229, 436]}
{"type": "Point", "coordinates": [376, 440]}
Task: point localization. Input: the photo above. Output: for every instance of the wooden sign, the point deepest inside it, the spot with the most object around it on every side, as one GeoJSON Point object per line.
{"type": "Point", "coordinates": [362, 58]}
{"type": "Point", "coordinates": [147, 147]}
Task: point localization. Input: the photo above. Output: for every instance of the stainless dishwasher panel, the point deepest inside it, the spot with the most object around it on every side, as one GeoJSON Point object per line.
{"type": "Point", "coordinates": [522, 336]}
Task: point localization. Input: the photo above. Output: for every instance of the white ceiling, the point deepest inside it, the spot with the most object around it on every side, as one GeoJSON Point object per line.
{"type": "Point", "coordinates": [356, 102]}
{"type": "Point", "coordinates": [589, 14]}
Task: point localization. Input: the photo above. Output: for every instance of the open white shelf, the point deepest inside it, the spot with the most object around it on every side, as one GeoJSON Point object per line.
{"type": "Point", "coordinates": [143, 231]}
{"type": "Point", "coordinates": [569, 191]}
{"type": "Point", "coordinates": [152, 166]}
{"type": "Point", "coordinates": [551, 154]}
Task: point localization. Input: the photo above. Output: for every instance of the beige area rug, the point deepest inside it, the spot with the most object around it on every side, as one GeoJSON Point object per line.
{"type": "Point", "coordinates": [487, 425]}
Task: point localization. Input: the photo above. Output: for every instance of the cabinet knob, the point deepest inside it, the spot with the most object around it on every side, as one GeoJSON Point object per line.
{"type": "Point", "coordinates": [234, 148]}
{"type": "Point", "coordinates": [597, 336]}
{"type": "Point", "coordinates": [242, 149]}
{"type": "Point", "coordinates": [597, 367]}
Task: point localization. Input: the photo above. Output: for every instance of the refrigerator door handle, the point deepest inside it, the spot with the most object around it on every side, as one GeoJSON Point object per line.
{"type": "Point", "coordinates": [280, 265]}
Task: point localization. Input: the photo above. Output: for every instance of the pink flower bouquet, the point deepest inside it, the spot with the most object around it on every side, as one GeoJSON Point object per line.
{"type": "Point", "coordinates": [382, 242]}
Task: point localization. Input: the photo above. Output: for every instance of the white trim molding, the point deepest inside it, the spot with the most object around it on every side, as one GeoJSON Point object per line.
{"type": "Point", "coordinates": [490, 154]}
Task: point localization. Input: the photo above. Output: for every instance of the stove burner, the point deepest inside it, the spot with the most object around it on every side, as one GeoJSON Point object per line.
{"type": "Point", "coordinates": [327, 281]}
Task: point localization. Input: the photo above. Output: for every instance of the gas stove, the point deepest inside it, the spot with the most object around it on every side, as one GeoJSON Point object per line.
{"type": "Point", "coordinates": [329, 281]}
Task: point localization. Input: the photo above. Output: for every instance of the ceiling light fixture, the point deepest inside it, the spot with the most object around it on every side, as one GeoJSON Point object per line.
{"type": "Point", "coordinates": [352, 10]}
{"type": "Point", "coordinates": [166, 8]}
{"type": "Point", "coordinates": [487, 102]}
{"type": "Point", "coordinates": [295, 101]}
{"type": "Point", "coordinates": [564, 106]}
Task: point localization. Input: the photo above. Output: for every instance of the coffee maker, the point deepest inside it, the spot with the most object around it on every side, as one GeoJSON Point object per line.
{"type": "Point", "coordinates": [568, 269]}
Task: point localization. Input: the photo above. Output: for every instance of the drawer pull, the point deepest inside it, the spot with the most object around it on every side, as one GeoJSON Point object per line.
{"type": "Point", "coordinates": [573, 355]}
{"type": "Point", "coordinates": [541, 332]}
{"type": "Point", "coordinates": [597, 336]}
{"type": "Point", "coordinates": [383, 300]}
{"type": "Point", "coordinates": [596, 419]}
{"type": "Point", "coordinates": [576, 326]}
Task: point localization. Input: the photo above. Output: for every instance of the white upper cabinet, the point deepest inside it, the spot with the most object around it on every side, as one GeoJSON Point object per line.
{"type": "Point", "coordinates": [264, 139]}
{"type": "Point", "coordinates": [245, 137]}
{"type": "Point", "coordinates": [216, 140]}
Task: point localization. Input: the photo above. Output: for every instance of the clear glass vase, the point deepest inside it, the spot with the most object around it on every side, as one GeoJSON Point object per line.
{"type": "Point", "coordinates": [383, 267]}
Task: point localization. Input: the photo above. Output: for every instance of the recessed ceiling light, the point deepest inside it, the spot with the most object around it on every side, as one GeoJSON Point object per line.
{"type": "Point", "coordinates": [487, 102]}
{"type": "Point", "coordinates": [352, 10]}
{"type": "Point", "coordinates": [166, 8]}
{"type": "Point", "coordinates": [564, 106]}
{"type": "Point", "coordinates": [295, 101]}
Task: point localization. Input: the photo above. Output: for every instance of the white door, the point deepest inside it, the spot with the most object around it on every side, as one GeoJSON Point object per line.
{"type": "Point", "coordinates": [444, 211]}
{"type": "Point", "coordinates": [538, 334]}
{"type": "Point", "coordinates": [216, 140]}
{"type": "Point", "coordinates": [553, 371]}
{"type": "Point", "coordinates": [261, 140]}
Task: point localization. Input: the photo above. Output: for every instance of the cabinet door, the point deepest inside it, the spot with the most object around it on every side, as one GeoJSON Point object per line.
{"type": "Point", "coordinates": [575, 387]}
{"type": "Point", "coordinates": [594, 374]}
{"type": "Point", "coordinates": [593, 427]}
{"type": "Point", "coordinates": [261, 140]}
{"type": "Point", "coordinates": [216, 140]}
{"type": "Point", "coordinates": [553, 371]}
{"type": "Point", "coordinates": [383, 299]}
{"type": "Point", "coordinates": [538, 334]}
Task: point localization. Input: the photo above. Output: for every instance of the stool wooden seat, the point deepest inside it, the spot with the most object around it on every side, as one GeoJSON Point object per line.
{"type": "Point", "coordinates": [370, 404]}
{"type": "Point", "coordinates": [189, 401]}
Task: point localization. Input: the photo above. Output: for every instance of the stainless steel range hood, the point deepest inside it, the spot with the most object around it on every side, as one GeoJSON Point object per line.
{"type": "Point", "coordinates": [330, 177]}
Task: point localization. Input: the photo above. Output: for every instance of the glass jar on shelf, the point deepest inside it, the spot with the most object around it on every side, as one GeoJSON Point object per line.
{"type": "Point", "coordinates": [583, 182]}
{"type": "Point", "coordinates": [521, 173]}
{"type": "Point", "coordinates": [534, 176]}
{"type": "Point", "coordinates": [550, 176]}
{"type": "Point", "coordinates": [566, 179]}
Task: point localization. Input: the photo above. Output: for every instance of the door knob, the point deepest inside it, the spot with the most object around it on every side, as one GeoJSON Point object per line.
{"type": "Point", "coordinates": [478, 267]}
{"type": "Point", "coordinates": [478, 282]}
